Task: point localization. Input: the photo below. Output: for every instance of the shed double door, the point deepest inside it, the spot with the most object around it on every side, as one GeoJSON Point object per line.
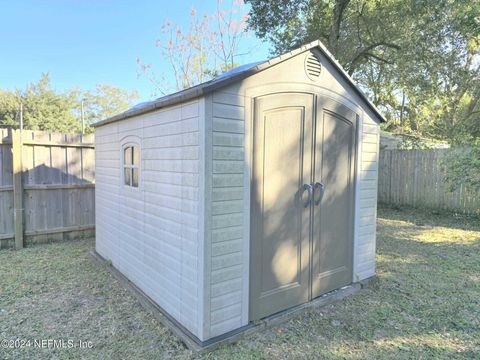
{"type": "Point", "coordinates": [302, 200]}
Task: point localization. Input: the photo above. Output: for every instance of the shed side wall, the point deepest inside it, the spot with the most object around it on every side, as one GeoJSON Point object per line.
{"type": "Point", "coordinates": [154, 234]}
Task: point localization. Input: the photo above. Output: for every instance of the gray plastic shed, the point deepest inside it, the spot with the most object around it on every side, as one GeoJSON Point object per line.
{"type": "Point", "coordinates": [243, 196]}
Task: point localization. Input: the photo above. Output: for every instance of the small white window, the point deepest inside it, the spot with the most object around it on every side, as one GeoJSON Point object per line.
{"type": "Point", "coordinates": [131, 159]}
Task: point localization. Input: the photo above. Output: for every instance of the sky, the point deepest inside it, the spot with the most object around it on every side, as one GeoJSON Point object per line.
{"type": "Point", "coordinates": [81, 43]}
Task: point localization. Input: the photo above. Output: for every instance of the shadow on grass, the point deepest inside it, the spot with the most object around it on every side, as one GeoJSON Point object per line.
{"type": "Point", "coordinates": [429, 217]}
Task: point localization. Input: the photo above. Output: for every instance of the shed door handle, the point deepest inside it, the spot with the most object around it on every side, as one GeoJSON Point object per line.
{"type": "Point", "coordinates": [309, 188]}
{"type": "Point", "coordinates": [321, 187]}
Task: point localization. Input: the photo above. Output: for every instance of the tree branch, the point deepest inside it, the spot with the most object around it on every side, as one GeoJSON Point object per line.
{"type": "Point", "coordinates": [366, 52]}
{"type": "Point", "coordinates": [376, 57]}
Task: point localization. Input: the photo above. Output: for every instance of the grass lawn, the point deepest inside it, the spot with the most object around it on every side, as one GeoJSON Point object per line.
{"type": "Point", "coordinates": [424, 304]}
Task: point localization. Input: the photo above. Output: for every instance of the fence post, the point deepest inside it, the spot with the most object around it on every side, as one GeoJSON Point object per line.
{"type": "Point", "coordinates": [17, 187]}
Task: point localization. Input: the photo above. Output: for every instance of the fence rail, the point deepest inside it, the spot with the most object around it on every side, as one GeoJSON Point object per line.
{"type": "Point", "coordinates": [417, 178]}
{"type": "Point", "coordinates": [47, 186]}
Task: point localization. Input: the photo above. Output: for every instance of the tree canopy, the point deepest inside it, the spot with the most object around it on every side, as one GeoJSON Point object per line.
{"type": "Point", "coordinates": [43, 108]}
{"type": "Point", "coordinates": [417, 60]}
{"type": "Point", "coordinates": [46, 109]}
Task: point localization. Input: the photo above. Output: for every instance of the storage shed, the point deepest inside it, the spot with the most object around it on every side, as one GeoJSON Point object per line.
{"type": "Point", "coordinates": [244, 196]}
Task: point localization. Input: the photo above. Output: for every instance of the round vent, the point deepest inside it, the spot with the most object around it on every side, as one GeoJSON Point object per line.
{"type": "Point", "coordinates": [313, 68]}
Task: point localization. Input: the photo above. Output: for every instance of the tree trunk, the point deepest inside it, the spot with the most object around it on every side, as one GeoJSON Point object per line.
{"type": "Point", "coordinates": [401, 110]}
{"type": "Point", "coordinates": [337, 18]}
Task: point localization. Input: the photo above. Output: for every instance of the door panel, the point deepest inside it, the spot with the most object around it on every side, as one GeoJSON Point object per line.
{"type": "Point", "coordinates": [300, 252]}
{"type": "Point", "coordinates": [333, 215]}
{"type": "Point", "coordinates": [280, 224]}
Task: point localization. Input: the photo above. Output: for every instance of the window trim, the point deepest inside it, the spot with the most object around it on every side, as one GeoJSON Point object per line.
{"type": "Point", "coordinates": [129, 142]}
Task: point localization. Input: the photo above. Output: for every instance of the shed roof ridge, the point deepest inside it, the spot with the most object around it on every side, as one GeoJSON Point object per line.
{"type": "Point", "coordinates": [233, 76]}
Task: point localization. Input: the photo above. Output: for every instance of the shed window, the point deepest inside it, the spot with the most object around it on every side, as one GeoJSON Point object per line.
{"type": "Point", "coordinates": [131, 159]}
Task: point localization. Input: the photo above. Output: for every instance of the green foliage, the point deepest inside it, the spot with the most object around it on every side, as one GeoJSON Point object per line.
{"type": "Point", "coordinates": [414, 143]}
{"type": "Point", "coordinates": [43, 108]}
{"type": "Point", "coordinates": [106, 101]}
{"type": "Point", "coordinates": [463, 167]}
{"type": "Point", "coordinates": [418, 61]}
{"type": "Point", "coordinates": [46, 109]}
{"type": "Point", "coordinates": [9, 108]}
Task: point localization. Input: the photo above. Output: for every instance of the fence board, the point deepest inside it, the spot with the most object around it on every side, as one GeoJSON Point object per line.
{"type": "Point", "coordinates": [417, 178]}
{"type": "Point", "coordinates": [6, 189]}
{"type": "Point", "coordinates": [58, 180]}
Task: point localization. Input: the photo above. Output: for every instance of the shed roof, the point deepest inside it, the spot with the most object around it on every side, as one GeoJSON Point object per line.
{"type": "Point", "coordinates": [229, 77]}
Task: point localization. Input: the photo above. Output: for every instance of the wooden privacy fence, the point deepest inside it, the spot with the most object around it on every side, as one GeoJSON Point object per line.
{"type": "Point", "coordinates": [417, 178]}
{"type": "Point", "coordinates": [47, 186]}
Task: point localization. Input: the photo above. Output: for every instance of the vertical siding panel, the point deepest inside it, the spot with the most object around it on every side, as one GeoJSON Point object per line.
{"type": "Point", "coordinates": [228, 286]}
{"type": "Point", "coordinates": [365, 233]}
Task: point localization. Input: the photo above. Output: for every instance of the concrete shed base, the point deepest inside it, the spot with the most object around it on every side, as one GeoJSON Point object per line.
{"type": "Point", "coordinates": [192, 342]}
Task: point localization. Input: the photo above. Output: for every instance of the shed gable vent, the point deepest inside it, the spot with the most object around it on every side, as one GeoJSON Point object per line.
{"type": "Point", "coordinates": [313, 68]}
